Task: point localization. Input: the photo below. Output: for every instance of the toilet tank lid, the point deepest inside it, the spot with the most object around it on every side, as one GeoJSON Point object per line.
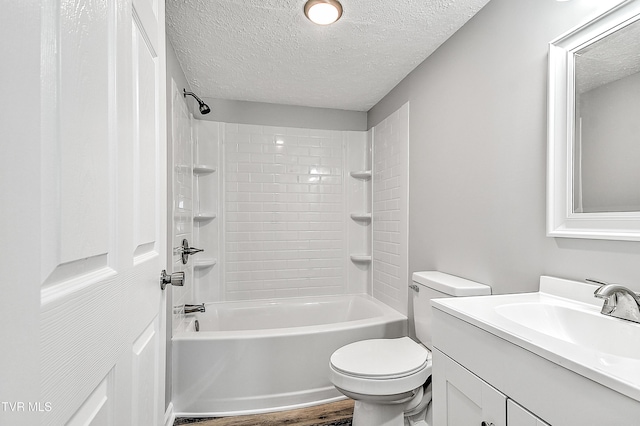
{"type": "Point", "coordinates": [450, 284]}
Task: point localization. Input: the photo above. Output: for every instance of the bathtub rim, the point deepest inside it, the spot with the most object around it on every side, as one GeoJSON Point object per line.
{"type": "Point", "coordinates": [188, 333]}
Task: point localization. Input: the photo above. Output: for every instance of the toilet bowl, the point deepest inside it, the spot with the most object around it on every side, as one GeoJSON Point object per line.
{"type": "Point", "coordinates": [390, 379]}
{"type": "Point", "coordinates": [384, 376]}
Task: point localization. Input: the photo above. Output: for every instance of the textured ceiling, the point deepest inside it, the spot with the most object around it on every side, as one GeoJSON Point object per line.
{"type": "Point", "coordinates": [268, 51]}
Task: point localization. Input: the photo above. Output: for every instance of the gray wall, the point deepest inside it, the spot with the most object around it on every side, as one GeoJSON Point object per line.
{"type": "Point", "coordinates": [265, 114]}
{"type": "Point", "coordinates": [478, 154]}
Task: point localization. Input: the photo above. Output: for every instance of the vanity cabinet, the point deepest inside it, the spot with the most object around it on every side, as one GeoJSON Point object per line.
{"type": "Point", "coordinates": [517, 415]}
{"type": "Point", "coordinates": [556, 395]}
{"type": "Point", "coordinates": [462, 398]}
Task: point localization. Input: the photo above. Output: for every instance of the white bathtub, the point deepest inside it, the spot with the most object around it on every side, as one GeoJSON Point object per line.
{"type": "Point", "coordinates": [261, 356]}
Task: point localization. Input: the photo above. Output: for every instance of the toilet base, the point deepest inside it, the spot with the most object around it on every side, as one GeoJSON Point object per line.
{"type": "Point", "coordinates": [366, 414]}
{"type": "Point", "coordinates": [408, 409]}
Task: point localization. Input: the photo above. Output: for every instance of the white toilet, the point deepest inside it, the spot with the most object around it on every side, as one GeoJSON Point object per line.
{"type": "Point", "coordinates": [390, 379]}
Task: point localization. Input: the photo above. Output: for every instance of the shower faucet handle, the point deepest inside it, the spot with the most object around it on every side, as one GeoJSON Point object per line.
{"type": "Point", "coordinates": [184, 250]}
{"type": "Point", "coordinates": [192, 250]}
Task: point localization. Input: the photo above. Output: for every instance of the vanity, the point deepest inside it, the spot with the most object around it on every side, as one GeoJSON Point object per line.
{"type": "Point", "coordinates": [534, 359]}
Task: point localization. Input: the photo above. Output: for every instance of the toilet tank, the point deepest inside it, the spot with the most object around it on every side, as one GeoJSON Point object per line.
{"type": "Point", "coordinates": [433, 285]}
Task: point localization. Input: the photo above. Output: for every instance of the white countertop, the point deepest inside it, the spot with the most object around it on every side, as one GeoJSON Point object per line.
{"type": "Point", "coordinates": [613, 370]}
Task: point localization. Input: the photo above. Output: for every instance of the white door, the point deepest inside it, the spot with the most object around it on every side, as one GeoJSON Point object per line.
{"type": "Point", "coordinates": [83, 212]}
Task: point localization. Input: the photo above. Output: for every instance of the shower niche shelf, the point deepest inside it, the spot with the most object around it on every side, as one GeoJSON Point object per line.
{"type": "Point", "coordinates": [203, 169]}
{"type": "Point", "coordinates": [204, 216]}
{"type": "Point", "coordinates": [361, 258]}
{"type": "Point", "coordinates": [361, 174]}
{"type": "Point", "coordinates": [361, 217]}
{"type": "Point", "coordinates": [204, 263]}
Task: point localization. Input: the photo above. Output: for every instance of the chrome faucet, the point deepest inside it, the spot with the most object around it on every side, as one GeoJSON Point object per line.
{"type": "Point", "coordinates": [619, 301]}
{"type": "Point", "coordinates": [190, 309]}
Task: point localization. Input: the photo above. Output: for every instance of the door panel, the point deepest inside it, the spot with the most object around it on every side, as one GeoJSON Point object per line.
{"type": "Point", "coordinates": [80, 340]}
{"type": "Point", "coordinates": [77, 228]}
{"type": "Point", "coordinates": [98, 408]}
{"type": "Point", "coordinates": [102, 159]}
{"type": "Point", "coordinates": [146, 141]}
{"type": "Point", "coordinates": [80, 281]}
{"type": "Point", "coordinates": [145, 379]}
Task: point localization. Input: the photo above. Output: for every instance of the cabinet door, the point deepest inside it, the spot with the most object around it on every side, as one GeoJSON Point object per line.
{"type": "Point", "coordinates": [462, 398]}
{"type": "Point", "coordinates": [518, 416]}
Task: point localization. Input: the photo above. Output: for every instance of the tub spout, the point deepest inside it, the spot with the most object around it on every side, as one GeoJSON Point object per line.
{"type": "Point", "coordinates": [190, 309]}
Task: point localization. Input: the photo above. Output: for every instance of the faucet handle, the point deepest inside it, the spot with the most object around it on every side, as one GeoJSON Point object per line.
{"type": "Point", "coordinates": [601, 283]}
{"type": "Point", "coordinates": [599, 291]}
{"type": "Point", "coordinates": [185, 251]}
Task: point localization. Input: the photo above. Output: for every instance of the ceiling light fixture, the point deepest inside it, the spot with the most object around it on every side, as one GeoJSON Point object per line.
{"type": "Point", "coordinates": [323, 12]}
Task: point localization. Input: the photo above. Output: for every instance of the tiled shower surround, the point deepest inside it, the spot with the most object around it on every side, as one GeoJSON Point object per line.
{"type": "Point", "coordinates": [284, 212]}
{"type": "Point", "coordinates": [390, 209]}
{"type": "Point", "coordinates": [182, 209]}
{"type": "Point", "coordinates": [291, 207]}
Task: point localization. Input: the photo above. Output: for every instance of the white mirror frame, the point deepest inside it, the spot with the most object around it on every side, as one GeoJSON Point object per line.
{"type": "Point", "coordinates": [561, 219]}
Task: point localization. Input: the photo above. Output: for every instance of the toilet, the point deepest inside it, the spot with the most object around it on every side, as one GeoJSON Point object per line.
{"type": "Point", "coordinates": [390, 379]}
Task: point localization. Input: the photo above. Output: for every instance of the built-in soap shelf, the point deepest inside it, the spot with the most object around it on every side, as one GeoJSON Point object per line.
{"type": "Point", "coordinates": [204, 263]}
{"type": "Point", "coordinates": [361, 258]}
{"type": "Point", "coordinates": [204, 216]}
{"type": "Point", "coordinates": [361, 217]}
{"type": "Point", "coordinates": [361, 174]}
{"type": "Point", "coordinates": [203, 169]}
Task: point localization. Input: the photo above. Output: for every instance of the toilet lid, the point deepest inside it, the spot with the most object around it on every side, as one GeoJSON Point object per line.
{"type": "Point", "coordinates": [381, 358]}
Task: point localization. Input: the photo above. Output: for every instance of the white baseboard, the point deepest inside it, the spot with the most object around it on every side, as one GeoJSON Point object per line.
{"type": "Point", "coordinates": [169, 415]}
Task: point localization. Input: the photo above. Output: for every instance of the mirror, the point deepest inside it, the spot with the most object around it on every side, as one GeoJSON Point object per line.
{"type": "Point", "coordinates": [593, 188]}
{"type": "Point", "coordinates": [606, 155]}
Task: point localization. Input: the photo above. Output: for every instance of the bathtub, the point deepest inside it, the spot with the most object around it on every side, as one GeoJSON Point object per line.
{"type": "Point", "coordinates": [261, 356]}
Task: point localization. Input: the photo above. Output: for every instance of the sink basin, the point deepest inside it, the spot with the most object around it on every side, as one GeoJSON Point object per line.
{"type": "Point", "coordinates": [584, 327]}
{"type": "Point", "coordinates": [561, 323]}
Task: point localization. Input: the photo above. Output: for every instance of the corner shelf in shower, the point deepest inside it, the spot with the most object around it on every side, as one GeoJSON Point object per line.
{"type": "Point", "coordinates": [362, 174]}
{"type": "Point", "coordinates": [204, 263]}
{"type": "Point", "coordinates": [361, 258]}
{"type": "Point", "coordinates": [203, 169]}
{"type": "Point", "coordinates": [361, 217]}
{"type": "Point", "coordinates": [204, 216]}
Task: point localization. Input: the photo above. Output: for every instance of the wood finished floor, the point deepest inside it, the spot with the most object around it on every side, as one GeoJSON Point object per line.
{"type": "Point", "coordinates": [336, 413]}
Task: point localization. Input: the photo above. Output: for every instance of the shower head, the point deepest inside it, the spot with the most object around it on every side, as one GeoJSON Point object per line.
{"type": "Point", "coordinates": [204, 108]}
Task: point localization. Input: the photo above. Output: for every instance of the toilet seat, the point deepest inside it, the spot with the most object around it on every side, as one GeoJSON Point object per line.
{"type": "Point", "coordinates": [381, 366]}
{"type": "Point", "coordinates": [380, 358]}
